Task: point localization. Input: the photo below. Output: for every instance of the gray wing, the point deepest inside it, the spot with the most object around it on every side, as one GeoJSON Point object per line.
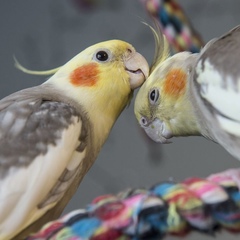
{"type": "Point", "coordinates": [223, 54]}
{"type": "Point", "coordinates": [28, 125]}
{"type": "Point", "coordinates": [42, 143]}
{"type": "Point", "coordinates": [217, 89]}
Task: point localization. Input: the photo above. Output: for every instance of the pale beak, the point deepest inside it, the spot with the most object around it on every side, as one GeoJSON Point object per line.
{"type": "Point", "coordinates": [137, 68]}
{"type": "Point", "coordinates": [156, 130]}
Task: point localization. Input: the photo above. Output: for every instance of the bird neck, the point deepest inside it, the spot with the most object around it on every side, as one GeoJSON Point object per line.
{"type": "Point", "coordinates": [102, 103]}
{"type": "Point", "coordinates": [185, 122]}
{"type": "Point", "coordinates": [104, 114]}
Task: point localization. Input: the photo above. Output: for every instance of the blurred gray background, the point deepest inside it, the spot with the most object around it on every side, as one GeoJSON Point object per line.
{"type": "Point", "coordinates": [45, 34]}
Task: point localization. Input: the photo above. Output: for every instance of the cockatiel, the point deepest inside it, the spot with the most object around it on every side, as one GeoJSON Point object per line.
{"type": "Point", "coordinates": [51, 134]}
{"type": "Point", "coordinates": [195, 94]}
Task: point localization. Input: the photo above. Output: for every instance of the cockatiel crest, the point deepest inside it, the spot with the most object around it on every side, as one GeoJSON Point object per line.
{"type": "Point", "coordinates": [51, 134]}
{"type": "Point", "coordinates": [195, 94]}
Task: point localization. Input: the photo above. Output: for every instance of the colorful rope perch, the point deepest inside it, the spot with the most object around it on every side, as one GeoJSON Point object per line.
{"type": "Point", "coordinates": [175, 25]}
{"type": "Point", "coordinates": [167, 208]}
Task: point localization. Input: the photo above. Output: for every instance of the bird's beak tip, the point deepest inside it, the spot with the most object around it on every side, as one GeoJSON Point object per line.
{"type": "Point", "coordinates": [138, 69]}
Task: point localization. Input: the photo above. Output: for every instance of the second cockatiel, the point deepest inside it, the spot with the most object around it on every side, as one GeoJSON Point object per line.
{"type": "Point", "coordinates": [195, 94]}
{"type": "Point", "coordinates": [51, 134]}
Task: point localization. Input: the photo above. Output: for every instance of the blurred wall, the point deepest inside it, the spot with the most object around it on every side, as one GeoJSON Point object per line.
{"type": "Point", "coordinates": [45, 34]}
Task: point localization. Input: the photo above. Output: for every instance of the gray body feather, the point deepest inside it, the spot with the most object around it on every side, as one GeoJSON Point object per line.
{"type": "Point", "coordinates": [31, 120]}
{"type": "Point", "coordinates": [216, 90]}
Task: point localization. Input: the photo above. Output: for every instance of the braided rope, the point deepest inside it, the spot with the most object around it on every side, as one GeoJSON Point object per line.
{"type": "Point", "coordinates": [172, 20]}
{"type": "Point", "coordinates": [175, 25]}
{"type": "Point", "coordinates": [167, 208]}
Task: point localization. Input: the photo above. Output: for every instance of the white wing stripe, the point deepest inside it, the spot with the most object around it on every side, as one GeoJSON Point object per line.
{"type": "Point", "coordinates": [221, 93]}
{"type": "Point", "coordinates": [35, 182]}
{"type": "Point", "coordinates": [229, 126]}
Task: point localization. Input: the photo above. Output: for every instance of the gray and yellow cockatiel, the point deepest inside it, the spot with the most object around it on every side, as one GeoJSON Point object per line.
{"type": "Point", "coordinates": [51, 134]}
{"type": "Point", "coordinates": [195, 94]}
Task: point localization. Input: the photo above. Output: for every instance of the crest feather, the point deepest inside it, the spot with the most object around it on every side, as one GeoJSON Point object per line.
{"type": "Point", "coordinates": [162, 51]}
{"type": "Point", "coordinates": [35, 72]}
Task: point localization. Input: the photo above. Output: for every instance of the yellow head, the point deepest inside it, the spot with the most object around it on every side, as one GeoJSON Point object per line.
{"type": "Point", "coordinates": [163, 106]}
{"type": "Point", "coordinates": [108, 71]}
{"type": "Point", "coordinates": [101, 79]}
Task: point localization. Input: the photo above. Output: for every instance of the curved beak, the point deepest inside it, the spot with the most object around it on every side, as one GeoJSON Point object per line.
{"type": "Point", "coordinates": [137, 68]}
{"type": "Point", "coordinates": [156, 130]}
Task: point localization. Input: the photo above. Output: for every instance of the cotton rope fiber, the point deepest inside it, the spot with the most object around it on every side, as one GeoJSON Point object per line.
{"type": "Point", "coordinates": [198, 204]}
{"type": "Point", "coordinates": [175, 25]}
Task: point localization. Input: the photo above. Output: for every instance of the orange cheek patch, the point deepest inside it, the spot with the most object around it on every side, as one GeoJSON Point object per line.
{"type": "Point", "coordinates": [175, 82]}
{"type": "Point", "coordinates": [86, 75]}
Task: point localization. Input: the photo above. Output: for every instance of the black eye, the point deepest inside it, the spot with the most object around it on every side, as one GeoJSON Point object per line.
{"type": "Point", "coordinates": [102, 56]}
{"type": "Point", "coordinates": [153, 96]}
